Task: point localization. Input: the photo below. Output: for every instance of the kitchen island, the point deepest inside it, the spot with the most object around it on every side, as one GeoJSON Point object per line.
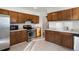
{"type": "Point", "coordinates": [64, 38]}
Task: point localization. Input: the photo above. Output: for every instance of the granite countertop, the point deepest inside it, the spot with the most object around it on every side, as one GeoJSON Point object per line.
{"type": "Point", "coordinates": [68, 31]}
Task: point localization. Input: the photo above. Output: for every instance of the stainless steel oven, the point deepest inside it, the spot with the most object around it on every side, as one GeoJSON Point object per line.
{"type": "Point", "coordinates": [30, 30]}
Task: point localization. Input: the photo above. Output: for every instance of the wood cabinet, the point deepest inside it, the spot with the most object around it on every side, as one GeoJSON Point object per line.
{"type": "Point", "coordinates": [31, 17]}
{"type": "Point", "coordinates": [21, 18]}
{"type": "Point", "coordinates": [60, 38]}
{"type": "Point", "coordinates": [75, 13]}
{"type": "Point", "coordinates": [67, 40]}
{"type": "Point", "coordinates": [60, 16]}
{"type": "Point", "coordinates": [35, 19]}
{"type": "Point", "coordinates": [53, 36]}
{"type": "Point", "coordinates": [49, 17]}
{"type": "Point", "coordinates": [18, 37]}
{"type": "Point", "coordinates": [27, 16]}
{"type": "Point", "coordinates": [68, 14]}
{"type": "Point", "coordinates": [13, 17]}
{"type": "Point", "coordinates": [2, 11]}
{"type": "Point", "coordinates": [13, 38]}
{"type": "Point", "coordinates": [54, 16]}
{"type": "Point", "coordinates": [18, 17]}
{"type": "Point", "coordinates": [64, 15]}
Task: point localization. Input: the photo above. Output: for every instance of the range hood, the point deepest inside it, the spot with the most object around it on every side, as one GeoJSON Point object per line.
{"type": "Point", "coordinates": [28, 22]}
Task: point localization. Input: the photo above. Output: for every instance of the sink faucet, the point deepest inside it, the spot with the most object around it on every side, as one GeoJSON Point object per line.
{"type": "Point", "coordinates": [66, 28]}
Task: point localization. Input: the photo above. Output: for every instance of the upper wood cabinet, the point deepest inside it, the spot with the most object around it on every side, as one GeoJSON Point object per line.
{"type": "Point", "coordinates": [35, 19]}
{"type": "Point", "coordinates": [2, 11]}
{"type": "Point", "coordinates": [68, 14]}
{"type": "Point", "coordinates": [30, 17]}
{"type": "Point", "coordinates": [27, 16]}
{"type": "Point", "coordinates": [21, 18]}
{"type": "Point", "coordinates": [75, 13]}
{"type": "Point", "coordinates": [65, 15]}
{"type": "Point", "coordinates": [60, 16]}
{"type": "Point", "coordinates": [54, 16]}
{"type": "Point", "coordinates": [17, 17]}
{"type": "Point", "coordinates": [13, 17]}
{"type": "Point", "coordinates": [49, 17]}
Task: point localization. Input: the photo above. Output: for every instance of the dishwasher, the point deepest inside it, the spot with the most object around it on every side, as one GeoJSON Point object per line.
{"type": "Point", "coordinates": [76, 42]}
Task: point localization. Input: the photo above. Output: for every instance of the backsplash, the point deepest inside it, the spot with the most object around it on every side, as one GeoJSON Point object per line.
{"type": "Point", "coordinates": [62, 24]}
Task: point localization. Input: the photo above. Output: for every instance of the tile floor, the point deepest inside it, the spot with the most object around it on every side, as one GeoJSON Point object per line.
{"type": "Point", "coordinates": [38, 44]}
{"type": "Point", "coordinates": [42, 45]}
{"type": "Point", "coordinates": [19, 47]}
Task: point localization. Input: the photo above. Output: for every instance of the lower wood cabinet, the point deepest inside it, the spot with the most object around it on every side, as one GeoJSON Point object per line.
{"type": "Point", "coordinates": [53, 36]}
{"type": "Point", "coordinates": [57, 37]}
{"type": "Point", "coordinates": [60, 38]}
{"type": "Point", "coordinates": [18, 37]}
{"type": "Point", "coordinates": [67, 40]}
{"type": "Point", "coordinates": [48, 35]}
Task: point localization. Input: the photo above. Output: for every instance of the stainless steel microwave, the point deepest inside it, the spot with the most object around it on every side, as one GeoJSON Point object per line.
{"type": "Point", "coordinates": [13, 27]}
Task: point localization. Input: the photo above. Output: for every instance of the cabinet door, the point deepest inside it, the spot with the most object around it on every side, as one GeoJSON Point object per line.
{"type": "Point", "coordinates": [65, 15]}
{"type": "Point", "coordinates": [28, 17]}
{"type": "Point", "coordinates": [57, 38]}
{"type": "Point", "coordinates": [67, 40]}
{"type": "Point", "coordinates": [13, 17]}
{"type": "Point", "coordinates": [49, 36]}
{"type": "Point", "coordinates": [2, 11]}
{"type": "Point", "coordinates": [35, 19]}
{"type": "Point", "coordinates": [60, 15]}
{"type": "Point", "coordinates": [21, 36]}
{"type": "Point", "coordinates": [21, 18]}
{"type": "Point", "coordinates": [69, 14]}
{"type": "Point", "coordinates": [75, 15]}
{"type": "Point", "coordinates": [49, 17]}
{"type": "Point", "coordinates": [13, 38]}
{"type": "Point", "coordinates": [18, 37]}
{"type": "Point", "coordinates": [31, 17]}
{"type": "Point", "coordinates": [54, 16]}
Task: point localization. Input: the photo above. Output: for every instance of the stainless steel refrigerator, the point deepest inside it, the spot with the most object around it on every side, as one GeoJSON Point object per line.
{"type": "Point", "coordinates": [4, 32]}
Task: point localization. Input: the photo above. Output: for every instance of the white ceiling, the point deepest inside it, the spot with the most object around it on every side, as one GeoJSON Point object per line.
{"type": "Point", "coordinates": [45, 9]}
{"type": "Point", "coordinates": [36, 10]}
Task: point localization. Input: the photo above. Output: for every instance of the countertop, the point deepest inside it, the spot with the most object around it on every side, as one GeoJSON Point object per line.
{"type": "Point", "coordinates": [17, 30]}
{"type": "Point", "coordinates": [68, 31]}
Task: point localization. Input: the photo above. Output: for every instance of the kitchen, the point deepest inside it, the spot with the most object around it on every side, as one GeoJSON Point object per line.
{"type": "Point", "coordinates": [51, 28]}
